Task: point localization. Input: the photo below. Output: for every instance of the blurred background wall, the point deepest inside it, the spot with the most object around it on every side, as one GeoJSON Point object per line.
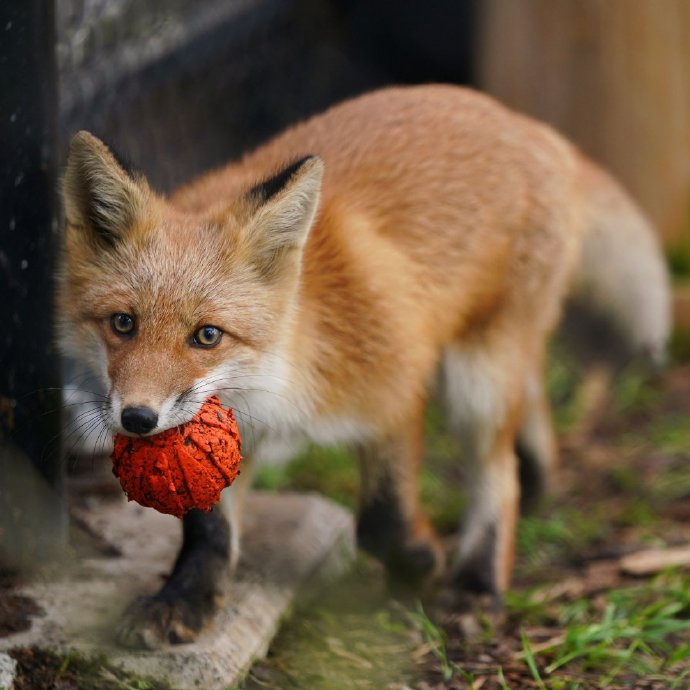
{"type": "Point", "coordinates": [614, 75]}
{"type": "Point", "coordinates": [179, 85]}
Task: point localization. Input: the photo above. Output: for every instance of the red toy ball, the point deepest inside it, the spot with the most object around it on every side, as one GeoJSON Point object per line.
{"type": "Point", "coordinates": [184, 467]}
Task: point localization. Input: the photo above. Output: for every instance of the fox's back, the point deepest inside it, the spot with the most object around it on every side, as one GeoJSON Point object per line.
{"type": "Point", "coordinates": [434, 189]}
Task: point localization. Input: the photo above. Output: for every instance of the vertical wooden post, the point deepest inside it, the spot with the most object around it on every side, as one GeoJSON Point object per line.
{"type": "Point", "coordinates": [32, 513]}
{"type": "Point", "coordinates": [613, 75]}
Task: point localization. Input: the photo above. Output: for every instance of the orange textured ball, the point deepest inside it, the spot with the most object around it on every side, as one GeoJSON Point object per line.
{"type": "Point", "coordinates": [184, 467]}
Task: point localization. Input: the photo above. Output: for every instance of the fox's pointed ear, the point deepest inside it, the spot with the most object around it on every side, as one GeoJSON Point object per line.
{"type": "Point", "coordinates": [283, 210]}
{"type": "Point", "coordinates": [99, 196]}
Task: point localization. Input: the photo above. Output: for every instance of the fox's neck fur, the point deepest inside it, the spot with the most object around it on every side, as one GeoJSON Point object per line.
{"type": "Point", "coordinates": [331, 337]}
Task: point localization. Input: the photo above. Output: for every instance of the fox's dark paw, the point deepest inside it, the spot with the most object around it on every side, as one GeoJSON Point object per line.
{"type": "Point", "coordinates": [477, 573]}
{"type": "Point", "coordinates": [475, 577]}
{"type": "Point", "coordinates": [473, 592]}
{"type": "Point", "coordinates": [415, 564]}
{"type": "Point", "coordinates": [151, 622]}
{"type": "Point", "coordinates": [410, 552]}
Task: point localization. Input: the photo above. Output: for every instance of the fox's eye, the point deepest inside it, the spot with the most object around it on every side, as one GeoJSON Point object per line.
{"type": "Point", "coordinates": [122, 324]}
{"type": "Point", "coordinates": [207, 336]}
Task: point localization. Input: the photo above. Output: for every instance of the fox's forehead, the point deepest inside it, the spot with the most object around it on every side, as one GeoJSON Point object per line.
{"type": "Point", "coordinates": [180, 277]}
{"type": "Point", "coordinates": [172, 251]}
{"type": "Point", "coordinates": [191, 264]}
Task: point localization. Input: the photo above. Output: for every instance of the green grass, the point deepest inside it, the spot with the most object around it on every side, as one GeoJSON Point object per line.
{"type": "Point", "coordinates": [633, 632]}
{"type": "Point", "coordinates": [330, 471]}
{"type": "Point", "coordinates": [679, 259]}
{"type": "Point", "coordinates": [435, 638]}
{"type": "Point", "coordinates": [562, 381]}
{"type": "Point", "coordinates": [680, 346]}
{"type": "Point", "coordinates": [528, 655]}
{"type": "Point", "coordinates": [634, 392]}
{"type": "Point", "coordinates": [637, 631]}
{"type": "Point", "coordinates": [348, 635]}
{"type": "Point", "coordinates": [671, 434]}
{"type": "Point", "coordinates": [558, 535]}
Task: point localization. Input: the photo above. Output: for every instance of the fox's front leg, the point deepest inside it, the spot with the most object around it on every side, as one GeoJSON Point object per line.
{"type": "Point", "coordinates": [195, 588]}
{"type": "Point", "coordinates": [390, 525]}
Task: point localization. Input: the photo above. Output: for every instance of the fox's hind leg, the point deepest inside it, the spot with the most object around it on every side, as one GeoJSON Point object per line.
{"type": "Point", "coordinates": [195, 587]}
{"type": "Point", "coordinates": [483, 394]}
{"type": "Point", "coordinates": [390, 525]}
{"type": "Point", "coordinates": [536, 443]}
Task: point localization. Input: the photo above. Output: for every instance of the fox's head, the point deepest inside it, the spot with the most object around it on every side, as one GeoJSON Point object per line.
{"type": "Point", "coordinates": [171, 307]}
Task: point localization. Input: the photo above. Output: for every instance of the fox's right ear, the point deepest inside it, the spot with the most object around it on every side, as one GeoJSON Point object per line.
{"type": "Point", "coordinates": [99, 196]}
{"type": "Point", "coordinates": [283, 209]}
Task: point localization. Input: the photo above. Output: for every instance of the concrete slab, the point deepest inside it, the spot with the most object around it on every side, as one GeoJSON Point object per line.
{"type": "Point", "coordinates": [288, 539]}
{"type": "Point", "coordinates": [8, 667]}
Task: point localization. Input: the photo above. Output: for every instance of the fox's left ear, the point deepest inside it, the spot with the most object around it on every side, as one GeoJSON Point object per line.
{"type": "Point", "coordinates": [283, 212]}
{"type": "Point", "coordinates": [100, 198]}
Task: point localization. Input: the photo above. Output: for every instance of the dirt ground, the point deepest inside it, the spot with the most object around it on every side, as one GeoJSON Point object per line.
{"type": "Point", "coordinates": [15, 610]}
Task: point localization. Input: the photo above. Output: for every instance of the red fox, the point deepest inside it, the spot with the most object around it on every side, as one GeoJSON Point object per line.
{"type": "Point", "coordinates": [322, 285]}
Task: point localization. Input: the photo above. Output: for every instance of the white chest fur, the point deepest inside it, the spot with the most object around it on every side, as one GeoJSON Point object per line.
{"type": "Point", "coordinates": [277, 411]}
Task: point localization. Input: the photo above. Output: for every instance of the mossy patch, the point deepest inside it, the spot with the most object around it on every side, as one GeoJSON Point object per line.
{"type": "Point", "coordinates": [345, 635]}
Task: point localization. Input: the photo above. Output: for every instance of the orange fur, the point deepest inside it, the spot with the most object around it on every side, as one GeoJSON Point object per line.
{"type": "Point", "coordinates": [447, 234]}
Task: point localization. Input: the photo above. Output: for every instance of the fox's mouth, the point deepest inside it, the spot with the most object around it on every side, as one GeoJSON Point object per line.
{"type": "Point", "coordinates": [141, 421]}
{"type": "Point", "coordinates": [120, 431]}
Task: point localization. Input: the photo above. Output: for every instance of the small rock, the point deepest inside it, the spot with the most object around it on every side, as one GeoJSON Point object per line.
{"type": "Point", "coordinates": [469, 627]}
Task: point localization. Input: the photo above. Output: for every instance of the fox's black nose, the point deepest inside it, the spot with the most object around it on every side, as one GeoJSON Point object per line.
{"type": "Point", "coordinates": [139, 420]}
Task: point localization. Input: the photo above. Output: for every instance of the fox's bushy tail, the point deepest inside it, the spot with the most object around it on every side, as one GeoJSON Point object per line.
{"type": "Point", "coordinates": [622, 285]}
{"type": "Point", "coordinates": [619, 310]}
